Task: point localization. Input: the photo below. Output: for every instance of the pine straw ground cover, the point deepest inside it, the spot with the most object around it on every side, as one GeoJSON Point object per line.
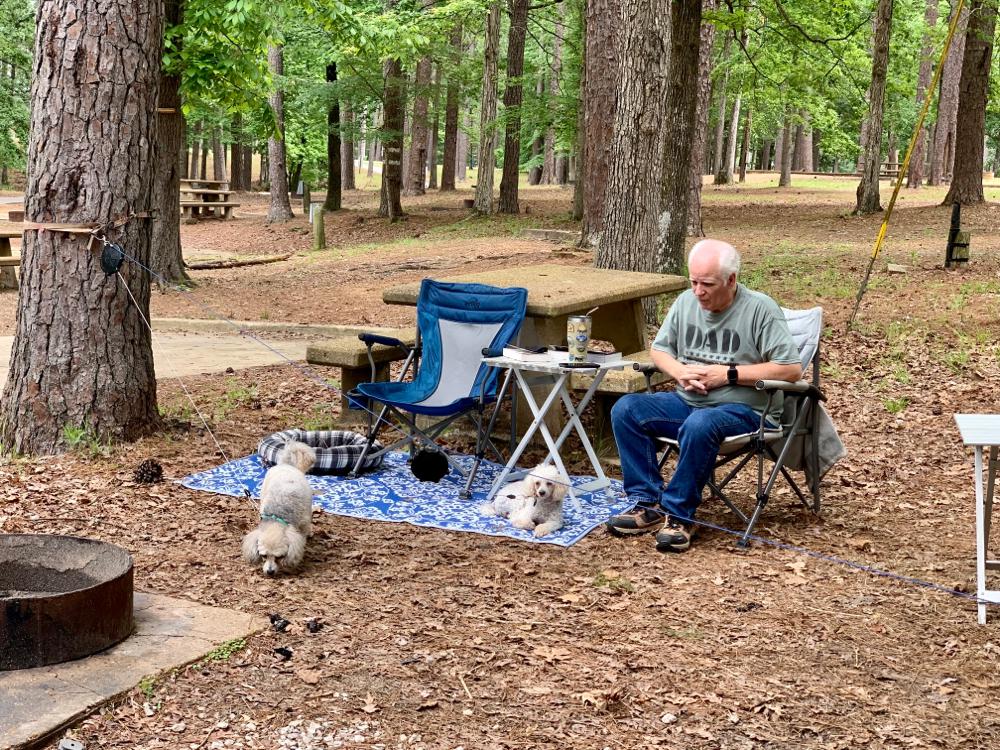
{"type": "Point", "coordinates": [441, 640]}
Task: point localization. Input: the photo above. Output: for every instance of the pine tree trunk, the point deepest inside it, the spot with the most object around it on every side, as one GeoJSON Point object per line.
{"type": "Point", "coordinates": [334, 157]}
{"type": "Point", "coordinates": [700, 135]}
{"type": "Point", "coordinates": [720, 122]}
{"type": "Point", "coordinates": [416, 183]}
{"type": "Point", "coordinates": [915, 175]}
{"type": "Point", "coordinates": [81, 355]}
{"type": "Point", "coordinates": [280, 208]}
{"type": "Point", "coordinates": [868, 189]}
{"type": "Point", "coordinates": [799, 146]}
{"type": "Point", "coordinates": [394, 104]}
{"type": "Point", "coordinates": [166, 260]}
{"type": "Point", "coordinates": [745, 147]}
{"type": "Point", "coordinates": [549, 168]}
{"type": "Point", "coordinates": [632, 197]}
{"type": "Point", "coordinates": [806, 160]}
{"type": "Point", "coordinates": [432, 147]}
{"type": "Point", "coordinates": [372, 147]}
{"type": "Point", "coordinates": [513, 96]}
{"type": "Point", "coordinates": [196, 150]}
{"type": "Point", "coordinates": [347, 149]}
{"type": "Point", "coordinates": [967, 179]}
{"type": "Point", "coordinates": [765, 154]}
{"type": "Point", "coordinates": [488, 113]}
{"type": "Point", "coordinates": [943, 152]}
{"type": "Point", "coordinates": [779, 150]}
{"type": "Point", "coordinates": [679, 122]}
{"type": "Point", "coordinates": [203, 167]}
{"type": "Point", "coordinates": [785, 180]}
{"type": "Point", "coordinates": [450, 156]}
{"type": "Point", "coordinates": [462, 149]}
{"type": "Point", "coordinates": [599, 85]}
{"type": "Point", "coordinates": [219, 171]}
{"type": "Point", "coordinates": [725, 177]}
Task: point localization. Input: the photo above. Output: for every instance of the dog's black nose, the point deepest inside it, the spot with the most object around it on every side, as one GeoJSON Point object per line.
{"type": "Point", "coordinates": [270, 573]}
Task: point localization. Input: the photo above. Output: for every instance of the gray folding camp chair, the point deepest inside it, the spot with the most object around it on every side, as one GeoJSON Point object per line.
{"type": "Point", "coordinates": [792, 445]}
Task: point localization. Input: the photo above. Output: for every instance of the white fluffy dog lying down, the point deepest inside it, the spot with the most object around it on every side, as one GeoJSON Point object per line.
{"type": "Point", "coordinates": [279, 541]}
{"type": "Point", "coordinates": [534, 502]}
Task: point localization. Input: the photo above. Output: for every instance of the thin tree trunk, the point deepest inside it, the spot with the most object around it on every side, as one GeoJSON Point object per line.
{"type": "Point", "coordinates": [700, 134]}
{"type": "Point", "coordinates": [280, 208]}
{"type": "Point", "coordinates": [679, 122]}
{"type": "Point", "coordinates": [725, 177]}
{"type": "Point", "coordinates": [785, 180]}
{"type": "Point", "coordinates": [347, 149]}
{"type": "Point", "coordinates": [334, 157]}
{"type": "Point", "coordinates": [799, 147]}
{"type": "Point", "coordinates": [166, 260]}
{"type": "Point", "coordinates": [462, 149]}
{"type": "Point", "coordinates": [806, 160]}
{"type": "Point", "coordinates": [513, 96]}
{"type": "Point", "coordinates": [915, 175]}
{"type": "Point", "coordinates": [394, 103]}
{"type": "Point", "coordinates": [81, 356]}
{"type": "Point", "coordinates": [196, 150]}
{"type": "Point", "coordinates": [432, 181]}
{"type": "Point", "coordinates": [967, 178]}
{"type": "Point", "coordinates": [372, 147]}
{"type": "Point", "coordinates": [765, 154]}
{"type": "Point", "coordinates": [203, 167]}
{"type": "Point", "coordinates": [549, 176]}
{"type": "Point", "coordinates": [416, 183]}
{"type": "Point", "coordinates": [450, 156]}
{"type": "Point", "coordinates": [219, 171]}
{"type": "Point", "coordinates": [600, 63]}
{"type": "Point", "coordinates": [720, 123]}
{"type": "Point", "coordinates": [745, 147]}
{"type": "Point", "coordinates": [779, 149]}
{"type": "Point", "coordinates": [869, 201]}
{"type": "Point", "coordinates": [947, 118]}
{"type": "Point", "coordinates": [488, 113]}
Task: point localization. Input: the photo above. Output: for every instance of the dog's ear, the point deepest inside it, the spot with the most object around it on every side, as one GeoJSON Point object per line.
{"type": "Point", "coordinates": [250, 552]}
{"type": "Point", "coordinates": [296, 546]}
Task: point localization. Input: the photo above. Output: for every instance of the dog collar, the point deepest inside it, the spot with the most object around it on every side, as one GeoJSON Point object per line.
{"type": "Point", "coordinates": [272, 517]}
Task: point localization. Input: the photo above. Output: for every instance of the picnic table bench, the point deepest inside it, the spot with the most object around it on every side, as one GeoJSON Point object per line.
{"type": "Point", "coordinates": [203, 199]}
{"type": "Point", "coordinates": [8, 261]}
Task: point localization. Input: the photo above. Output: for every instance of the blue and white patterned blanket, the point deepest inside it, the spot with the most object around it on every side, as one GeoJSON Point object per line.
{"type": "Point", "coordinates": [393, 494]}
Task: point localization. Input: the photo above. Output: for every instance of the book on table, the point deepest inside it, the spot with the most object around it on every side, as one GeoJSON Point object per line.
{"type": "Point", "coordinates": [560, 353]}
{"type": "Point", "coordinates": [538, 354]}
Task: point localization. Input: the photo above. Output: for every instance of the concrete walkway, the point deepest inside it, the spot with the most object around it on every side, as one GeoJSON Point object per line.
{"type": "Point", "coordinates": [178, 353]}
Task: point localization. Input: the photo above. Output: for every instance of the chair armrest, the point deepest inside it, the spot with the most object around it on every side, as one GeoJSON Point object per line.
{"type": "Point", "coordinates": [648, 369]}
{"type": "Point", "coordinates": [801, 387]}
{"type": "Point", "coordinates": [374, 338]}
{"type": "Point", "coordinates": [492, 351]}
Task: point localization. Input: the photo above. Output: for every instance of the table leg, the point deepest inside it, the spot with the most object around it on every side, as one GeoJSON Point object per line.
{"type": "Point", "coordinates": [980, 539]}
{"type": "Point", "coordinates": [602, 481]}
{"type": "Point", "coordinates": [532, 427]}
{"type": "Point", "coordinates": [7, 278]}
{"type": "Point", "coordinates": [991, 475]}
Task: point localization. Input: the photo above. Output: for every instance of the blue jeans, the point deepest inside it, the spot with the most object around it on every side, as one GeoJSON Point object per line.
{"type": "Point", "coordinates": [638, 418]}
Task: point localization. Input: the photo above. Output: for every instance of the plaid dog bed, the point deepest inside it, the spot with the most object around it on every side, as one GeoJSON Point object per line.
{"type": "Point", "coordinates": [336, 450]}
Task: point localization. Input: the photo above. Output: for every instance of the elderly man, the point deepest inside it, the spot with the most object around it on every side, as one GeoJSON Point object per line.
{"type": "Point", "coordinates": [717, 341]}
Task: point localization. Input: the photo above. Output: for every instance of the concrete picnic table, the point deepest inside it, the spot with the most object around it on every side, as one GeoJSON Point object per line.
{"type": "Point", "coordinates": [556, 292]}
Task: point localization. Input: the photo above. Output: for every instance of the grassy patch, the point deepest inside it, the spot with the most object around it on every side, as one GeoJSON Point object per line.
{"type": "Point", "coordinates": [609, 579]}
{"type": "Point", "coordinates": [896, 405]}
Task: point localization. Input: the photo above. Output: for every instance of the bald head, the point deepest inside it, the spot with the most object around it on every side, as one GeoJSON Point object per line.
{"type": "Point", "coordinates": [712, 268]}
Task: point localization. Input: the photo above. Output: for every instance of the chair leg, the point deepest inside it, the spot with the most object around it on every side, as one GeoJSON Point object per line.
{"type": "Point", "coordinates": [372, 434]}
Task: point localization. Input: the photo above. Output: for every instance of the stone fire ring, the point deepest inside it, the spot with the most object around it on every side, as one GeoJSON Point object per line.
{"type": "Point", "coordinates": [61, 598]}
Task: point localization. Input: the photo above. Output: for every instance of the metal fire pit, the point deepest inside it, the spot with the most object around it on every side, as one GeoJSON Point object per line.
{"type": "Point", "coordinates": [61, 598]}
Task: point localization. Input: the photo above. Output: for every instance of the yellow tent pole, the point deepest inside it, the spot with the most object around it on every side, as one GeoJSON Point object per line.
{"type": "Point", "coordinates": [904, 167]}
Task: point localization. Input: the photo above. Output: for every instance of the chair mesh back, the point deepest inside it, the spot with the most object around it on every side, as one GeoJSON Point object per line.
{"type": "Point", "coordinates": [806, 327]}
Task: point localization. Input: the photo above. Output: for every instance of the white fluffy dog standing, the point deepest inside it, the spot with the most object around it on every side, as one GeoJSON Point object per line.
{"type": "Point", "coordinates": [285, 512]}
{"type": "Point", "coordinates": [534, 502]}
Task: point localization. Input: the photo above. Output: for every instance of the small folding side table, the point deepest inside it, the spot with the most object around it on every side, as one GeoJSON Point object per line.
{"type": "Point", "coordinates": [983, 431]}
{"type": "Point", "coordinates": [559, 391]}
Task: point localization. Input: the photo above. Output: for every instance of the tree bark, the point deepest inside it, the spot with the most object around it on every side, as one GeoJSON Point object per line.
{"type": "Point", "coordinates": [488, 113]}
{"type": "Point", "coordinates": [679, 122]}
{"type": "Point", "coordinates": [915, 175]}
{"type": "Point", "coordinates": [280, 208]}
{"type": "Point", "coordinates": [725, 175]}
{"type": "Point", "coordinates": [334, 157]}
{"type": "Point", "coordinates": [513, 96]}
{"type": "Point", "coordinates": [943, 153]}
{"type": "Point", "coordinates": [196, 150]}
{"type": "Point", "coordinates": [967, 178]}
{"type": "Point", "coordinates": [449, 157]}
{"type": "Point", "coordinates": [81, 356]}
{"type": "Point", "coordinates": [806, 159]}
{"type": "Point", "coordinates": [416, 182]}
{"type": "Point", "coordinates": [745, 147]}
{"type": "Point", "coordinates": [720, 122]}
{"type": "Point", "coordinates": [599, 85]}
{"type": "Point", "coordinates": [549, 175]}
{"type": "Point", "coordinates": [779, 148]}
{"type": "Point", "coordinates": [868, 200]}
{"type": "Point", "coordinates": [632, 197]}
{"type": "Point", "coordinates": [432, 147]}
{"type": "Point", "coordinates": [347, 149]}
{"type": "Point", "coordinates": [394, 102]}
{"type": "Point", "coordinates": [219, 171]}
{"type": "Point", "coordinates": [166, 260]}
{"type": "Point", "coordinates": [462, 149]}
{"type": "Point", "coordinates": [785, 180]}
{"type": "Point", "coordinates": [700, 134]}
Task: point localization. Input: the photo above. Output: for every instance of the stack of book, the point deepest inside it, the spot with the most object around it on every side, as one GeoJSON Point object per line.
{"type": "Point", "coordinates": [555, 354]}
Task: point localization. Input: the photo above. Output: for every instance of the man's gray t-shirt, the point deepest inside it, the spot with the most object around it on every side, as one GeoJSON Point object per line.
{"type": "Point", "coordinates": [750, 331]}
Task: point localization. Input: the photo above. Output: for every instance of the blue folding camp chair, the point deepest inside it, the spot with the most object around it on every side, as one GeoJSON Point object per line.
{"type": "Point", "coordinates": [456, 325]}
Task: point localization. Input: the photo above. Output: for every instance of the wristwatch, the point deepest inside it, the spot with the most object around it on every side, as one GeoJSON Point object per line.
{"type": "Point", "coordinates": [733, 375]}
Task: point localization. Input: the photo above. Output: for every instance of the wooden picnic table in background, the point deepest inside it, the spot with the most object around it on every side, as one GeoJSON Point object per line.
{"type": "Point", "coordinates": [7, 260]}
{"type": "Point", "coordinates": [556, 292]}
{"type": "Point", "coordinates": [206, 199]}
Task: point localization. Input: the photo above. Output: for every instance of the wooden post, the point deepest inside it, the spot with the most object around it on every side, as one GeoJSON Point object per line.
{"type": "Point", "coordinates": [319, 230]}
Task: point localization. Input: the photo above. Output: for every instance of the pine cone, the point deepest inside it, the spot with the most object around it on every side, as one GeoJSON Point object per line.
{"type": "Point", "coordinates": [149, 472]}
